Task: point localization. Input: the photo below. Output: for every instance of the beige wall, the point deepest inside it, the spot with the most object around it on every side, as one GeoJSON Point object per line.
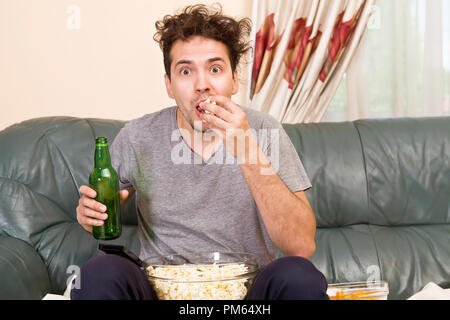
{"type": "Point", "coordinates": [109, 67]}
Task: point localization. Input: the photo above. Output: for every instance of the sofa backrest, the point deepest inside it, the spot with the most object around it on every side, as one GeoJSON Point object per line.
{"type": "Point", "coordinates": [381, 195]}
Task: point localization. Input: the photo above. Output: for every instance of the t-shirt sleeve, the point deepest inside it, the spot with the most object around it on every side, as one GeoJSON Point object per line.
{"type": "Point", "coordinates": [121, 154]}
{"type": "Point", "coordinates": [280, 151]}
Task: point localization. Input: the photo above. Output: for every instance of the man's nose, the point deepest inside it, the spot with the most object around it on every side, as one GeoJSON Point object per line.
{"type": "Point", "coordinates": [202, 83]}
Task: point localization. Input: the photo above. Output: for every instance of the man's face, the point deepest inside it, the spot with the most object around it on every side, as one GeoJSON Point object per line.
{"type": "Point", "coordinates": [200, 68]}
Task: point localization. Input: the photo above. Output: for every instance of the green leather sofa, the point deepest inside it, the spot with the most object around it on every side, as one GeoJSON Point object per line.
{"type": "Point", "coordinates": [381, 194]}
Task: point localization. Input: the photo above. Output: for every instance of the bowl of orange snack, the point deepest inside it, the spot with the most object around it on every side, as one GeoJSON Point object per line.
{"type": "Point", "coordinates": [366, 290]}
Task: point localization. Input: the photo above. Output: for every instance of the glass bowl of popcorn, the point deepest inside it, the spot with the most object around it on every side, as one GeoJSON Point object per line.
{"type": "Point", "coordinates": [203, 275]}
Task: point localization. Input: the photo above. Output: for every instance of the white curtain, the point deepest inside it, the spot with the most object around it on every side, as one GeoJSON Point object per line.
{"type": "Point", "coordinates": [302, 49]}
{"type": "Point", "coordinates": [402, 67]}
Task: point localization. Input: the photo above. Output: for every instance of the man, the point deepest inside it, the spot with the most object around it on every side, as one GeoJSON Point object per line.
{"type": "Point", "coordinates": [202, 172]}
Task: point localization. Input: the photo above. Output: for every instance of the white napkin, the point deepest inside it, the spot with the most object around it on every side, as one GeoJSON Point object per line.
{"type": "Point", "coordinates": [431, 292]}
{"type": "Point", "coordinates": [50, 296]}
{"type": "Point", "coordinates": [65, 296]}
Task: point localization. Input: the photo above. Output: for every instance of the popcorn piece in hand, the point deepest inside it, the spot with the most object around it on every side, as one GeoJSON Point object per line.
{"type": "Point", "coordinates": [209, 100]}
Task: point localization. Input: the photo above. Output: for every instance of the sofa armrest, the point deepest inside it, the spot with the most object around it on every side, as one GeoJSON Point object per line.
{"type": "Point", "coordinates": [23, 274]}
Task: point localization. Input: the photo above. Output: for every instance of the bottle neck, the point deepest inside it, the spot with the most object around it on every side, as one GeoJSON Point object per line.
{"type": "Point", "coordinates": [102, 158]}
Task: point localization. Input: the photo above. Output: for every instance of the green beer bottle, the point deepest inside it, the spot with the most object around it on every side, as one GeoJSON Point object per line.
{"type": "Point", "coordinates": [105, 181]}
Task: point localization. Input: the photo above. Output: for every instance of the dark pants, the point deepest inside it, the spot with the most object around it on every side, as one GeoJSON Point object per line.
{"type": "Point", "coordinates": [113, 277]}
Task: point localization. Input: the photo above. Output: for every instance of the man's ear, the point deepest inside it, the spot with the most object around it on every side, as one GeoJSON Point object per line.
{"type": "Point", "coordinates": [168, 86]}
{"type": "Point", "coordinates": [235, 82]}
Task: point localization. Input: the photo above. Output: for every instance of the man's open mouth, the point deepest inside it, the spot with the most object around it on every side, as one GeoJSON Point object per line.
{"type": "Point", "coordinates": [202, 110]}
{"type": "Point", "coordinates": [208, 100]}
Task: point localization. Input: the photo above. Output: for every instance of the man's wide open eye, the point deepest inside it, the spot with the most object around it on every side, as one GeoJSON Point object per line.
{"type": "Point", "coordinates": [185, 71]}
{"type": "Point", "coordinates": [216, 69]}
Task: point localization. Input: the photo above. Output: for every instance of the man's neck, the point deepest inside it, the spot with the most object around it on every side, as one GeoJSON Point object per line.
{"type": "Point", "coordinates": [203, 144]}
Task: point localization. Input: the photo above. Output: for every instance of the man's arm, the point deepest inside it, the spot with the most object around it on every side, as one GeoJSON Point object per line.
{"type": "Point", "coordinates": [287, 216]}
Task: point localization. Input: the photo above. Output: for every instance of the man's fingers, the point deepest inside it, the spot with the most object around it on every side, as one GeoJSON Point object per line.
{"type": "Point", "coordinates": [216, 121]}
{"type": "Point", "coordinates": [85, 190]}
{"type": "Point", "coordinates": [216, 110]}
{"type": "Point", "coordinates": [124, 194]}
{"type": "Point", "coordinates": [225, 103]}
{"type": "Point", "coordinates": [88, 218]}
{"type": "Point", "coordinates": [88, 213]}
{"type": "Point", "coordinates": [93, 222]}
{"type": "Point", "coordinates": [87, 222]}
{"type": "Point", "coordinates": [92, 204]}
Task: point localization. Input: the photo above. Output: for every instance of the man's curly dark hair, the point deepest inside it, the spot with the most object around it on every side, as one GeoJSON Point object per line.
{"type": "Point", "coordinates": [208, 22]}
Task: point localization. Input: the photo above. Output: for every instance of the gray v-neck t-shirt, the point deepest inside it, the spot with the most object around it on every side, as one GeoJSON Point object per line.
{"type": "Point", "coordinates": [186, 204]}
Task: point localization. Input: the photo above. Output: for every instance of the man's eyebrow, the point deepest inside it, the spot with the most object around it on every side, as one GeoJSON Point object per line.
{"type": "Point", "coordinates": [216, 59]}
{"type": "Point", "coordinates": [183, 62]}
{"type": "Point", "coordinates": [210, 60]}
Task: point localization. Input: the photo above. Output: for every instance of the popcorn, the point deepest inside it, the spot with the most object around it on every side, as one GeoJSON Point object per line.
{"type": "Point", "coordinates": [199, 282]}
{"type": "Point", "coordinates": [209, 100]}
